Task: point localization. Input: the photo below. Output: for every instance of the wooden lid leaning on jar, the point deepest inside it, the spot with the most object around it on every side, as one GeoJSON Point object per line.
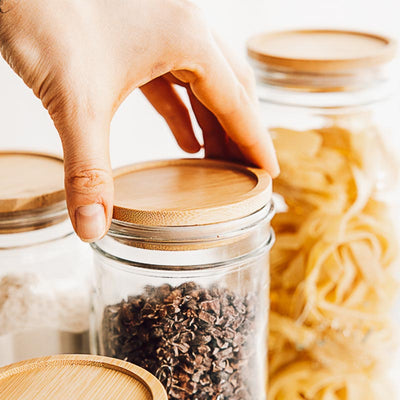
{"type": "Point", "coordinates": [30, 181]}
{"type": "Point", "coordinates": [188, 192]}
{"type": "Point", "coordinates": [78, 377]}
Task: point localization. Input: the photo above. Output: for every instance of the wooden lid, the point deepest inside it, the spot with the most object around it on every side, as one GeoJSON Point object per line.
{"type": "Point", "coordinates": [321, 50]}
{"type": "Point", "coordinates": [188, 192]}
{"type": "Point", "coordinates": [30, 181]}
{"type": "Point", "coordinates": [78, 377]}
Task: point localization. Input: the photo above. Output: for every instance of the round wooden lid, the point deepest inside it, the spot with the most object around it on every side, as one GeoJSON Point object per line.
{"type": "Point", "coordinates": [78, 377]}
{"type": "Point", "coordinates": [321, 50]}
{"type": "Point", "coordinates": [30, 181]}
{"type": "Point", "coordinates": [188, 192]}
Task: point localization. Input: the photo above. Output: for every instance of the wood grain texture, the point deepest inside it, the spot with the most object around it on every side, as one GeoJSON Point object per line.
{"type": "Point", "coordinates": [78, 377]}
{"type": "Point", "coordinates": [321, 50]}
{"type": "Point", "coordinates": [30, 181]}
{"type": "Point", "coordinates": [188, 192]}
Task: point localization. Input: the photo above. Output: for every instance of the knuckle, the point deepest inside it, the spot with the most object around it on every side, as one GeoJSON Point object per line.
{"type": "Point", "coordinates": [189, 15]}
{"type": "Point", "coordinates": [88, 181]}
{"type": "Point", "coordinates": [192, 35]}
{"type": "Point", "coordinates": [7, 6]}
{"type": "Point", "coordinates": [188, 9]}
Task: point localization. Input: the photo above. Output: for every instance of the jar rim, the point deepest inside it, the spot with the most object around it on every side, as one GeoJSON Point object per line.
{"type": "Point", "coordinates": [126, 265]}
{"type": "Point", "coordinates": [31, 220]}
{"type": "Point", "coordinates": [305, 66]}
{"type": "Point", "coordinates": [158, 246]}
{"type": "Point", "coordinates": [190, 233]}
{"type": "Point", "coordinates": [321, 50]}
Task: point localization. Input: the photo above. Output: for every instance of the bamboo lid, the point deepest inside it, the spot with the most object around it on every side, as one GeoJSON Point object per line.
{"type": "Point", "coordinates": [321, 50]}
{"type": "Point", "coordinates": [188, 192]}
{"type": "Point", "coordinates": [30, 181]}
{"type": "Point", "coordinates": [78, 377]}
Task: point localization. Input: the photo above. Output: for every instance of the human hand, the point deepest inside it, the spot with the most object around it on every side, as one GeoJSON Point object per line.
{"type": "Point", "coordinates": [82, 59]}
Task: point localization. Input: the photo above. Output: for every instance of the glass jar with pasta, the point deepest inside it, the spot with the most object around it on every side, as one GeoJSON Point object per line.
{"type": "Point", "coordinates": [328, 102]}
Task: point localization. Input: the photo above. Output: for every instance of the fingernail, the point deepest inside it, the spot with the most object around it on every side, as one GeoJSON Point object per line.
{"type": "Point", "coordinates": [90, 222]}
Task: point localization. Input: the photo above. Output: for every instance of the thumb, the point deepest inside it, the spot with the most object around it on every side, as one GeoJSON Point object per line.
{"type": "Point", "coordinates": [88, 179]}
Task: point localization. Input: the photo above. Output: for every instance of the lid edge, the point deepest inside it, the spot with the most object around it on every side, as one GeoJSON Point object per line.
{"type": "Point", "coordinates": [152, 384]}
{"type": "Point", "coordinates": [255, 199]}
{"type": "Point", "coordinates": [383, 56]}
{"type": "Point", "coordinates": [26, 203]}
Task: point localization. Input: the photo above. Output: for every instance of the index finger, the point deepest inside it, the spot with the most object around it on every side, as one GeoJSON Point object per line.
{"type": "Point", "coordinates": [216, 86]}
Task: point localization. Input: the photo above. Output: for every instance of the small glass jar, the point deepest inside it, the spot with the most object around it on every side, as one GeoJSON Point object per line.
{"type": "Point", "coordinates": [182, 277]}
{"type": "Point", "coordinates": [329, 103]}
{"type": "Point", "coordinates": [44, 280]}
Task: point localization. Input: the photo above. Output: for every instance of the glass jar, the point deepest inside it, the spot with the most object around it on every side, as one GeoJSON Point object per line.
{"type": "Point", "coordinates": [181, 279]}
{"type": "Point", "coordinates": [327, 99]}
{"type": "Point", "coordinates": [44, 286]}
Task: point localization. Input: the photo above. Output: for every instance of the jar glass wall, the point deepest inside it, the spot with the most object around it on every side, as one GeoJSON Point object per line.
{"type": "Point", "coordinates": [334, 321]}
{"type": "Point", "coordinates": [44, 286]}
{"type": "Point", "coordinates": [200, 328]}
{"type": "Point", "coordinates": [44, 269]}
{"type": "Point", "coordinates": [188, 303]}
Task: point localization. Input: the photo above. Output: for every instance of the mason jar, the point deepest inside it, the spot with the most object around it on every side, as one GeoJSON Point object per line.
{"type": "Point", "coordinates": [182, 277]}
{"type": "Point", "coordinates": [329, 102]}
{"type": "Point", "coordinates": [44, 280]}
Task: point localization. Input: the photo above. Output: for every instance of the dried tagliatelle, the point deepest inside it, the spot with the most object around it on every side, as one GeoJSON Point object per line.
{"type": "Point", "coordinates": [333, 283]}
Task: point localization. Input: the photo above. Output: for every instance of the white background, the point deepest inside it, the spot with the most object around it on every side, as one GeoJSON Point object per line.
{"type": "Point", "coordinates": [137, 132]}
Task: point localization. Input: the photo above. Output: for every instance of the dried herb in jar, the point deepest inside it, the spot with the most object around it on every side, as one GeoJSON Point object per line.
{"type": "Point", "coordinates": [196, 340]}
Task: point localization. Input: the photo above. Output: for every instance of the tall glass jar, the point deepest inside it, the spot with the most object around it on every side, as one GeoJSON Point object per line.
{"type": "Point", "coordinates": [44, 281]}
{"type": "Point", "coordinates": [328, 102]}
{"type": "Point", "coordinates": [182, 277]}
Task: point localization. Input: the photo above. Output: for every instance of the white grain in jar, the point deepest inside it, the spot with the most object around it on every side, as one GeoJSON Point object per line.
{"type": "Point", "coordinates": [44, 274]}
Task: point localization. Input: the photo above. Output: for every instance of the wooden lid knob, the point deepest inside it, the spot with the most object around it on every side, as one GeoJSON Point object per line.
{"type": "Point", "coordinates": [78, 377]}
{"type": "Point", "coordinates": [188, 192]}
{"type": "Point", "coordinates": [30, 181]}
